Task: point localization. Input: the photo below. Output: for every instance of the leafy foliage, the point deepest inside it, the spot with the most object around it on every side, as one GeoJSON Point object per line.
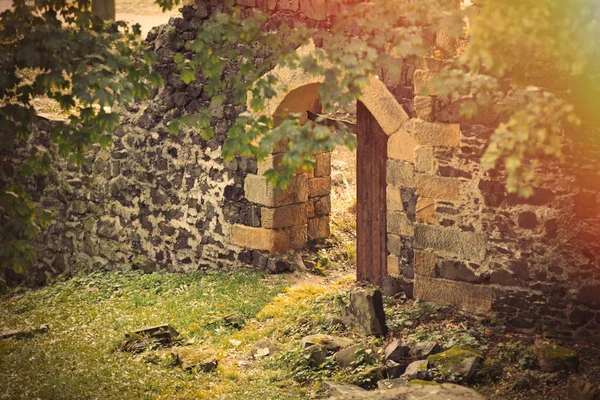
{"type": "Point", "coordinates": [58, 50]}
{"type": "Point", "coordinates": [536, 63]}
{"type": "Point", "coordinates": [519, 60]}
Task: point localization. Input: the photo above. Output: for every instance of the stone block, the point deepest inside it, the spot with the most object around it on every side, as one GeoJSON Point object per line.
{"type": "Point", "coordinates": [425, 160]}
{"type": "Point", "coordinates": [446, 42]}
{"type": "Point", "coordinates": [425, 83]}
{"type": "Point", "coordinates": [466, 244]}
{"type": "Point", "coordinates": [365, 312]}
{"type": "Point", "coordinates": [291, 5]}
{"type": "Point", "coordinates": [323, 168]}
{"type": "Point", "coordinates": [425, 108]}
{"type": "Point", "coordinates": [401, 146]}
{"type": "Point", "coordinates": [314, 9]}
{"type": "Point", "coordinates": [310, 208]}
{"type": "Point", "coordinates": [394, 244]}
{"type": "Point", "coordinates": [393, 265]}
{"type": "Point", "coordinates": [272, 161]}
{"type": "Point", "coordinates": [441, 291]}
{"type": "Point", "coordinates": [298, 236]}
{"type": "Point", "coordinates": [322, 206]}
{"type": "Point", "coordinates": [434, 134]}
{"type": "Point", "coordinates": [283, 217]}
{"type": "Point", "coordinates": [258, 191]}
{"type": "Point", "coordinates": [385, 108]}
{"type": "Point", "coordinates": [319, 187]}
{"type": "Point", "coordinates": [437, 188]}
{"type": "Point", "coordinates": [394, 198]}
{"type": "Point", "coordinates": [426, 210]}
{"type": "Point", "coordinates": [275, 241]}
{"type": "Point", "coordinates": [425, 263]}
{"type": "Point", "coordinates": [400, 174]}
{"type": "Point", "coordinates": [318, 228]}
{"type": "Point", "coordinates": [399, 224]}
{"type": "Point", "coordinates": [431, 64]}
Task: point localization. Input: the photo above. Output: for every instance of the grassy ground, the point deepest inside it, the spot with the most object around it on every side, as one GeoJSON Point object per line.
{"type": "Point", "coordinates": [89, 316]}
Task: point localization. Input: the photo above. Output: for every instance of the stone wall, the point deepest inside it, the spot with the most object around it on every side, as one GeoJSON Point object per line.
{"type": "Point", "coordinates": [457, 237]}
{"type": "Point", "coordinates": [156, 201]}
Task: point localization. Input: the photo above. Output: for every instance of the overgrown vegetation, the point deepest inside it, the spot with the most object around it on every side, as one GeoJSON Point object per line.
{"type": "Point", "coordinates": [89, 316]}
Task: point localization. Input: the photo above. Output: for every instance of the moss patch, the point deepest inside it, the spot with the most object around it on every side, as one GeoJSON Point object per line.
{"type": "Point", "coordinates": [453, 356]}
{"type": "Point", "coordinates": [421, 382]}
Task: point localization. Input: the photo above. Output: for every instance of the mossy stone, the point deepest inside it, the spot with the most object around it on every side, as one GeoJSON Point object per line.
{"type": "Point", "coordinates": [422, 382]}
{"type": "Point", "coordinates": [461, 361]}
{"type": "Point", "coordinates": [553, 358]}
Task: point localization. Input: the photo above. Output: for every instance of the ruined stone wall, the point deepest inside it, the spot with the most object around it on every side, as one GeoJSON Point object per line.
{"type": "Point", "coordinates": [155, 201]}
{"type": "Point", "coordinates": [457, 237]}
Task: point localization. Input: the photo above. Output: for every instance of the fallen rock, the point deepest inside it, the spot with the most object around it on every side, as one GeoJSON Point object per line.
{"type": "Point", "coordinates": [423, 350]}
{"type": "Point", "coordinates": [422, 382]}
{"type": "Point", "coordinates": [278, 266]}
{"type": "Point", "coordinates": [523, 383]}
{"type": "Point", "coordinates": [24, 333]}
{"type": "Point", "coordinates": [331, 343]}
{"type": "Point", "coordinates": [235, 320]}
{"type": "Point", "coordinates": [316, 355]}
{"type": "Point", "coordinates": [141, 339]}
{"type": "Point", "coordinates": [388, 384]}
{"type": "Point", "coordinates": [396, 351]}
{"type": "Point", "coordinates": [444, 391]}
{"type": "Point", "coordinates": [342, 389]}
{"type": "Point", "coordinates": [553, 358]}
{"type": "Point", "coordinates": [457, 362]}
{"type": "Point", "coordinates": [349, 356]}
{"type": "Point", "coordinates": [264, 348]}
{"type": "Point", "coordinates": [192, 358]}
{"type": "Point", "coordinates": [370, 376]}
{"type": "Point", "coordinates": [394, 369]}
{"type": "Point", "coordinates": [416, 370]}
{"type": "Point", "coordinates": [365, 313]}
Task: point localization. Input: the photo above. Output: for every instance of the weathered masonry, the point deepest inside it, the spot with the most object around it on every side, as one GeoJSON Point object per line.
{"type": "Point", "coordinates": [431, 222]}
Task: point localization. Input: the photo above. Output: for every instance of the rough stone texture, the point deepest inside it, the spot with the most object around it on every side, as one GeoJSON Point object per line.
{"type": "Point", "coordinates": [283, 217]}
{"type": "Point", "coordinates": [204, 360]}
{"type": "Point", "coordinates": [444, 391]}
{"type": "Point", "coordinates": [553, 358]}
{"type": "Point", "coordinates": [434, 134]}
{"type": "Point", "coordinates": [401, 146]}
{"type": "Point", "coordinates": [422, 350]}
{"type": "Point", "coordinates": [399, 224]}
{"type": "Point", "coordinates": [472, 297]}
{"type": "Point", "coordinates": [436, 187]}
{"type": "Point", "coordinates": [264, 348]}
{"type": "Point", "coordinates": [458, 361]}
{"type": "Point", "coordinates": [416, 370]}
{"type": "Point", "coordinates": [319, 186]}
{"type": "Point", "coordinates": [272, 240]}
{"type": "Point", "coordinates": [329, 342]}
{"type": "Point", "coordinates": [318, 228]}
{"type": "Point", "coordinates": [365, 312]}
{"type": "Point", "coordinates": [425, 160]}
{"type": "Point", "coordinates": [258, 191]}
{"type": "Point", "coordinates": [342, 390]}
{"type": "Point", "coordinates": [425, 108]}
{"type": "Point", "coordinates": [400, 174]}
{"type": "Point", "coordinates": [396, 351]}
{"type": "Point", "coordinates": [426, 211]}
{"type": "Point", "coordinates": [466, 244]}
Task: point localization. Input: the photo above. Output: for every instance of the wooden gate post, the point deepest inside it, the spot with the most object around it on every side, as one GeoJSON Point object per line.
{"type": "Point", "coordinates": [371, 231]}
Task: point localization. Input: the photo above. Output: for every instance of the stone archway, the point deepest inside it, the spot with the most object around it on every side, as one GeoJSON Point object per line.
{"type": "Point", "coordinates": [379, 117]}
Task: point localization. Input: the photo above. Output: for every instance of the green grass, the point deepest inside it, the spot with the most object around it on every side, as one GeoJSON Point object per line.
{"type": "Point", "coordinates": [89, 315]}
